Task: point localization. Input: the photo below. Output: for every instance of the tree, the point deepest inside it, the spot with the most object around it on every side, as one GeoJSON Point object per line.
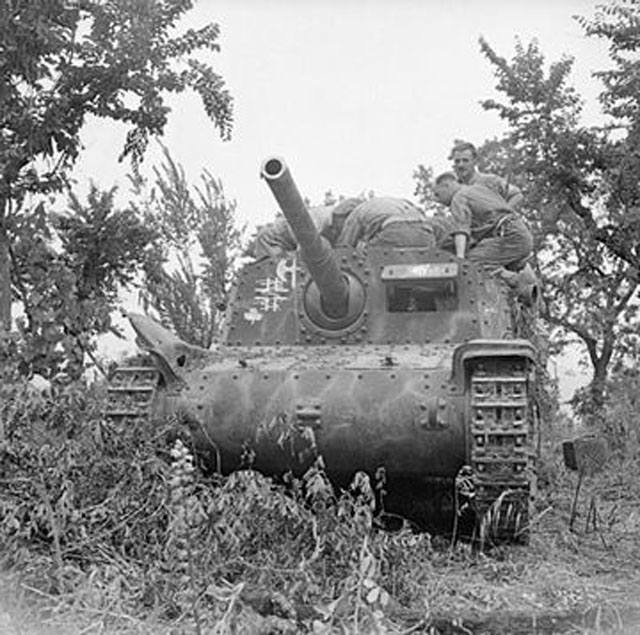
{"type": "Point", "coordinates": [188, 279]}
{"type": "Point", "coordinates": [581, 186]}
{"type": "Point", "coordinates": [619, 24]}
{"type": "Point", "coordinates": [423, 176]}
{"type": "Point", "coordinates": [575, 191]}
{"type": "Point", "coordinates": [69, 267]}
{"type": "Point", "coordinates": [64, 60]}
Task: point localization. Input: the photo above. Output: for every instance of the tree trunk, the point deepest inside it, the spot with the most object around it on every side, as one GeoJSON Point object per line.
{"type": "Point", "coordinates": [597, 386]}
{"type": "Point", "coordinates": [5, 270]}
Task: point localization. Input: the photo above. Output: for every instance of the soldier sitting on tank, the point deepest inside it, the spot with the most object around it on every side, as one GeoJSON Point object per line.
{"type": "Point", "coordinates": [465, 165]}
{"type": "Point", "coordinates": [387, 221]}
{"type": "Point", "coordinates": [276, 238]}
{"type": "Point", "coordinates": [495, 234]}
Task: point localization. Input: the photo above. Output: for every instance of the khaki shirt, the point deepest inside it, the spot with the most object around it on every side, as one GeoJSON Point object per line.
{"type": "Point", "coordinates": [368, 218]}
{"type": "Point", "coordinates": [496, 183]}
{"type": "Point", "coordinates": [477, 210]}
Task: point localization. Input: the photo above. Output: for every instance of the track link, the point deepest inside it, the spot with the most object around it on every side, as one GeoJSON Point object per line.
{"type": "Point", "coordinates": [502, 449]}
{"type": "Point", "coordinates": [131, 392]}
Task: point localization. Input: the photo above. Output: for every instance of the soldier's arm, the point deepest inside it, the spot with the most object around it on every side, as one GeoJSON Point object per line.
{"type": "Point", "coordinates": [460, 242]}
{"type": "Point", "coordinates": [514, 196]}
{"type": "Point", "coordinates": [461, 213]}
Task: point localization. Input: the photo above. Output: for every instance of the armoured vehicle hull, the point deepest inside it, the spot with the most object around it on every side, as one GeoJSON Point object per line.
{"type": "Point", "coordinates": [417, 371]}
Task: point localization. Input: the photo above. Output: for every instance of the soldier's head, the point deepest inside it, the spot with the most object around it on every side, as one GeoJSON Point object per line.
{"type": "Point", "coordinates": [465, 159]}
{"type": "Point", "coordinates": [446, 186]}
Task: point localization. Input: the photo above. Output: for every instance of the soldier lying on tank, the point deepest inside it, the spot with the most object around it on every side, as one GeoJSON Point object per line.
{"type": "Point", "coordinates": [387, 221]}
{"type": "Point", "coordinates": [465, 165]}
{"type": "Point", "coordinates": [276, 238]}
{"type": "Point", "coordinates": [485, 223]}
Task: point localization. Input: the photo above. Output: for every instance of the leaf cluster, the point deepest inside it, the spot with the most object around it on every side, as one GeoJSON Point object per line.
{"type": "Point", "coordinates": [68, 268]}
{"type": "Point", "coordinates": [619, 24]}
{"type": "Point", "coordinates": [73, 485]}
{"type": "Point", "coordinates": [103, 245]}
{"type": "Point", "coordinates": [63, 61]}
{"type": "Point", "coordinates": [187, 280]}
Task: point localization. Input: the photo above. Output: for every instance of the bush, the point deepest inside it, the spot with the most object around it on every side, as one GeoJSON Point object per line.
{"type": "Point", "coordinates": [79, 491]}
{"type": "Point", "coordinates": [109, 514]}
{"type": "Point", "coordinates": [618, 419]}
{"type": "Point", "coordinates": [621, 417]}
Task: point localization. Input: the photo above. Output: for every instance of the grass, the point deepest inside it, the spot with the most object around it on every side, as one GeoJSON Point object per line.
{"type": "Point", "coordinates": [106, 530]}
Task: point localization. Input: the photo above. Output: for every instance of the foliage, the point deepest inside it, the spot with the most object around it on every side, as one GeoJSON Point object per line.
{"type": "Point", "coordinates": [188, 279]}
{"type": "Point", "coordinates": [620, 422]}
{"type": "Point", "coordinates": [65, 472]}
{"type": "Point", "coordinates": [64, 61]}
{"type": "Point", "coordinates": [116, 525]}
{"type": "Point", "coordinates": [67, 270]}
{"type": "Point", "coordinates": [423, 176]}
{"type": "Point", "coordinates": [573, 185]}
{"type": "Point", "coordinates": [581, 187]}
{"type": "Point", "coordinates": [105, 247]}
{"type": "Point", "coordinates": [618, 23]}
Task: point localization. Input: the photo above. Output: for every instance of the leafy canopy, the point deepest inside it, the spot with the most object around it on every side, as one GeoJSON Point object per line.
{"type": "Point", "coordinates": [62, 61]}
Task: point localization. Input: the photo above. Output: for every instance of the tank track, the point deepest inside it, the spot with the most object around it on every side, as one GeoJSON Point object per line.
{"type": "Point", "coordinates": [131, 392]}
{"type": "Point", "coordinates": [503, 449]}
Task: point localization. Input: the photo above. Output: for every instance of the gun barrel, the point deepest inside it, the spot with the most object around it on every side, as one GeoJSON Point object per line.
{"type": "Point", "coordinates": [316, 251]}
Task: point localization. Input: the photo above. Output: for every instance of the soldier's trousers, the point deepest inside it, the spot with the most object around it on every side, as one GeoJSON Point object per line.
{"type": "Point", "coordinates": [509, 247]}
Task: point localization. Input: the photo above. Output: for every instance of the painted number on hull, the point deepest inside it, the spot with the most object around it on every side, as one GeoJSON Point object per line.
{"type": "Point", "coordinates": [272, 291]}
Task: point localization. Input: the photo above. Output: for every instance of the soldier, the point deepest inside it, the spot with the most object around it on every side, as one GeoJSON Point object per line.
{"type": "Point", "coordinates": [465, 165]}
{"type": "Point", "coordinates": [387, 221]}
{"type": "Point", "coordinates": [485, 223]}
{"type": "Point", "coordinates": [276, 239]}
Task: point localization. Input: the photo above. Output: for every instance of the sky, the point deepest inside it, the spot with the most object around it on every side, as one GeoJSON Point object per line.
{"type": "Point", "coordinates": [353, 94]}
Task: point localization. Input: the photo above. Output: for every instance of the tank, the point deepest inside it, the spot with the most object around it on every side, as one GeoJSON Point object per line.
{"type": "Point", "coordinates": [403, 363]}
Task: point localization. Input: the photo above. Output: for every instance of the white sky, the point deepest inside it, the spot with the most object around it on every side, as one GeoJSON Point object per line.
{"type": "Point", "coordinates": [352, 94]}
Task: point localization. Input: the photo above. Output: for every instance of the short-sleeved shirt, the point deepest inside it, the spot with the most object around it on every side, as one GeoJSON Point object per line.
{"type": "Point", "coordinates": [372, 215]}
{"type": "Point", "coordinates": [477, 210]}
{"type": "Point", "coordinates": [496, 183]}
